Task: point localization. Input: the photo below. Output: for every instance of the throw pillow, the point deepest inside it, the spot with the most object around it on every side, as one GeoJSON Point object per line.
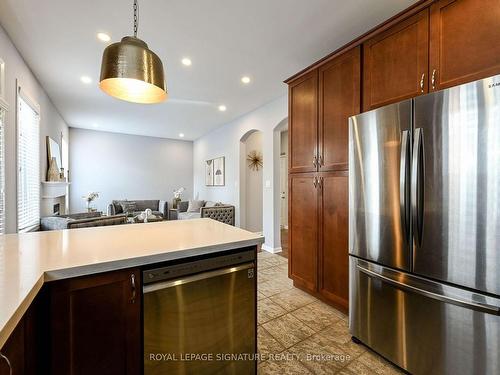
{"type": "Point", "coordinates": [128, 207]}
{"type": "Point", "coordinates": [195, 206]}
{"type": "Point", "coordinates": [210, 204]}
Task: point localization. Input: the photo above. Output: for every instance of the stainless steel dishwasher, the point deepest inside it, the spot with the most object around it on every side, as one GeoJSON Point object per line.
{"type": "Point", "coordinates": [200, 317]}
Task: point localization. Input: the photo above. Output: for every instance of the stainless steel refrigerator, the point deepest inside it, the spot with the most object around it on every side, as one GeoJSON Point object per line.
{"type": "Point", "coordinates": [424, 230]}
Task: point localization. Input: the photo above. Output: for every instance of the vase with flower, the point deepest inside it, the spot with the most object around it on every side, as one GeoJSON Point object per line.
{"type": "Point", "coordinates": [89, 198]}
{"type": "Point", "coordinates": [177, 197]}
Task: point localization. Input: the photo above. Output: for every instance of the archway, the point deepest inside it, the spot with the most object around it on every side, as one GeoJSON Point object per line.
{"type": "Point", "coordinates": [280, 183]}
{"type": "Point", "coordinates": [251, 182]}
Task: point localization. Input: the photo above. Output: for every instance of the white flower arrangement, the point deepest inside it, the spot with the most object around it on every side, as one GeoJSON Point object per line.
{"type": "Point", "coordinates": [90, 197]}
{"type": "Point", "coordinates": [178, 193]}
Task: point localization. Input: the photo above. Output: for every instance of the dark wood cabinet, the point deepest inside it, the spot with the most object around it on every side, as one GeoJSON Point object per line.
{"type": "Point", "coordinates": [303, 123]}
{"type": "Point", "coordinates": [26, 348]}
{"type": "Point", "coordinates": [339, 98]}
{"type": "Point", "coordinates": [464, 42]}
{"type": "Point", "coordinates": [304, 229]}
{"type": "Point", "coordinates": [334, 246]}
{"type": "Point", "coordinates": [96, 324]}
{"type": "Point", "coordinates": [395, 62]}
{"type": "Point", "coordinates": [14, 351]}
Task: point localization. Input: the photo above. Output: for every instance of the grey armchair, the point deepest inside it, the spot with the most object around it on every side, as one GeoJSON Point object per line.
{"type": "Point", "coordinates": [224, 213]}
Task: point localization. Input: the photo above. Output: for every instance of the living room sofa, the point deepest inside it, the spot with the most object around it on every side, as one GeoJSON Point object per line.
{"type": "Point", "coordinates": [158, 207]}
{"type": "Point", "coordinates": [224, 213]}
{"type": "Point", "coordinates": [80, 220]}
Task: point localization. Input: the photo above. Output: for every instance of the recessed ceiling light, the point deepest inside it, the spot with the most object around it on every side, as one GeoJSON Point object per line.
{"type": "Point", "coordinates": [103, 37]}
{"type": "Point", "coordinates": [245, 79]}
{"type": "Point", "coordinates": [181, 135]}
{"type": "Point", "coordinates": [186, 61]}
{"type": "Point", "coordinates": [222, 108]}
{"type": "Point", "coordinates": [86, 79]}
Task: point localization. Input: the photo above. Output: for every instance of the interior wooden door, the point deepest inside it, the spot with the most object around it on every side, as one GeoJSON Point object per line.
{"type": "Point", "coordinates": [395, 62]}
{"type": "Point", "coordinates": [303, 124]}
{"type": "Point", "coordinates": [304, 229]}
{"type": "Point", "coordinates": [334, 253]}
{"type": "Point", "coordinates": [464, 43]}
{"type": "Point", "coordinates": [96, 324]}
{"type": "Point", "coordinates": [339, 98]}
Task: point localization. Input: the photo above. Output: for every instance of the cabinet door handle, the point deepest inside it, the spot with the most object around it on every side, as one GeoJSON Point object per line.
{"type": "Point", "coordinates": [8, 362]}
{"type": "Point", "coordinates": [321, 161]}
{"type": "Point", "coordinates": [321, 183]}
{"type": "Point", "coordinates": [315, 182]}
{"type": "Point", "coordinates": [134, 289]}
{"type": "Point", "coordinates": [315, 161]}
{"type": "Point", "coordinates": [433, 79]}
{"type": "Point", "coordinates": [422, 83]}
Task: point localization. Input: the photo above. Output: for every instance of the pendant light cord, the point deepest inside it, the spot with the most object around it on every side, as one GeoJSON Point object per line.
{"type": "Point", "coordinates": [136, 18]}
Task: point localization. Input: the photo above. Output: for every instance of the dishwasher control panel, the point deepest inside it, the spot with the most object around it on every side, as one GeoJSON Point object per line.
{"type": "Point", "coordinates": [189, 268]}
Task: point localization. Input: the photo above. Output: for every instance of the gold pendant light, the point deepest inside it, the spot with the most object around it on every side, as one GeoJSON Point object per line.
{"type": "Point", "coordinates": [131, 71]}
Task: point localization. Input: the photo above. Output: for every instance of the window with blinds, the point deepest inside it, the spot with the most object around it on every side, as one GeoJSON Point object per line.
{"type": "Point", "coordinates": [28, 164]}
{"type": "Point", "coordinates": [2, 172]}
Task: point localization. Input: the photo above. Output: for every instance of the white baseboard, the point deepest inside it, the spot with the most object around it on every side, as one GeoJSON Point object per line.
{"type": "Point", "coordinates": [270, 249]}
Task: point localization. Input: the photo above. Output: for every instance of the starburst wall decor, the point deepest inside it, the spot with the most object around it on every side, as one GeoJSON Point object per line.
{"type": "Point", "coordinates": [254, 159]}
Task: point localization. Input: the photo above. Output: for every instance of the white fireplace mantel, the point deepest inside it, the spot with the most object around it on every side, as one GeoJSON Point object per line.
{"type": "Point", "coordinates": [54, 189]}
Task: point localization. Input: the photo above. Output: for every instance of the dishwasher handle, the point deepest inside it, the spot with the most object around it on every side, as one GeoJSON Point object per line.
{"type": "Point", "coordinates": [201, 276]}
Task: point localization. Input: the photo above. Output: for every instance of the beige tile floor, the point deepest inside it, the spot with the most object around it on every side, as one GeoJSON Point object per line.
{"type": "Point", "coordinates": [298, 334]}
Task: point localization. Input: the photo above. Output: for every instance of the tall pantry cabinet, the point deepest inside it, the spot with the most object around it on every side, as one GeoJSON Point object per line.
{"type": "Point", "coordinates": [321, 102]}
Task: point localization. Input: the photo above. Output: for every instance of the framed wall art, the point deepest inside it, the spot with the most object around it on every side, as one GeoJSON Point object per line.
{"type": "Point", "coordinates": [209, 173]}
{"type": "Point", "coordinates": [219, 171]}
{"type": "Point", "coordinates": [215, 173]}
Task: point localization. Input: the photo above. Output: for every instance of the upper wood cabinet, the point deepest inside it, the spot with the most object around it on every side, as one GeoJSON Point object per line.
{"type": "Point", "coordinates": [304, 229]}
{"type": "Point", "coordinates": [96, 324]}
{"type": "Point", "coordinates": [303, 124]}
{"type": "Point", "coordinates": [395, 62]}
{"type": "Point", "coordinates": [465, 41]}
{"type": "Point", "coordinates": [339, 98]}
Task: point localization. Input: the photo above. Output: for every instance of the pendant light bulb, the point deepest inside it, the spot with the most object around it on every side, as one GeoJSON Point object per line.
{"type": "Point", "coordinates": [131, 71]}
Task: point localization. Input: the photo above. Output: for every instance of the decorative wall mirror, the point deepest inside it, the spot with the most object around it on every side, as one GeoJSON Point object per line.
{"type": "Point", "coordinates": [53, 151]}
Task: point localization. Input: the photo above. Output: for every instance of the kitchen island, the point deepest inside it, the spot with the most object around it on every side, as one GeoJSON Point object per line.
{"type": "Point", "coordinates": [65, 261]}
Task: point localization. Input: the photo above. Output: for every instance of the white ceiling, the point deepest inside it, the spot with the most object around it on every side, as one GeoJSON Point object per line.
{"type": "Point", "coordinates": [269, 40]}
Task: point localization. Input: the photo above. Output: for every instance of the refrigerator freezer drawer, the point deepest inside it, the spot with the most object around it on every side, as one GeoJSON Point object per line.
{"type": "Point", "coordinates": [422, 326]}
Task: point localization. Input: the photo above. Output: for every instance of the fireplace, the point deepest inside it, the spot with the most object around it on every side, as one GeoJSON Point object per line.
{"type": "Point", "coordinates": [57, 209]}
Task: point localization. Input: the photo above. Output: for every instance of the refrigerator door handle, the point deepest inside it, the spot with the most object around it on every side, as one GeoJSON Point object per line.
{"type": "Point", "coordinates": [406, 283]}
{"type": "Point", "coordinates": [417, 185]}
{"type": "Point", "coordinates": [404, 191]}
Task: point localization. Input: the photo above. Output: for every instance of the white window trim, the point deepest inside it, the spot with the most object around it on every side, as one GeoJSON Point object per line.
{"type": "Point", "coordinates": [3, 102]}
{"type": "Point", "coordinates": [32, 103]}
{"type": "Point", "coordinates": [2, 165]}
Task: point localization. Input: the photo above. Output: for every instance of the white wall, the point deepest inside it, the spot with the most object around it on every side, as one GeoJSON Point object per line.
{"type": "Point", "coordinates": [121, 166]}
{"type": "Point", "coordinates": [51, 123]}
{"type": "Point", "coordinates": [253, 185]}
{"type": "Point", "coordinates": [225, 141]}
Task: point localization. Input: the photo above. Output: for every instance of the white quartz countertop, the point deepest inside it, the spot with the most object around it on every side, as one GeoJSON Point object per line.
{"type": "Point", "coordinates": [28, 260]}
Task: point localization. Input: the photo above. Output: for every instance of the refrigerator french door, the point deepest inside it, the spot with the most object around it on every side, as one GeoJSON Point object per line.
{"type": "Point", "coordinates": [424, 191]}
